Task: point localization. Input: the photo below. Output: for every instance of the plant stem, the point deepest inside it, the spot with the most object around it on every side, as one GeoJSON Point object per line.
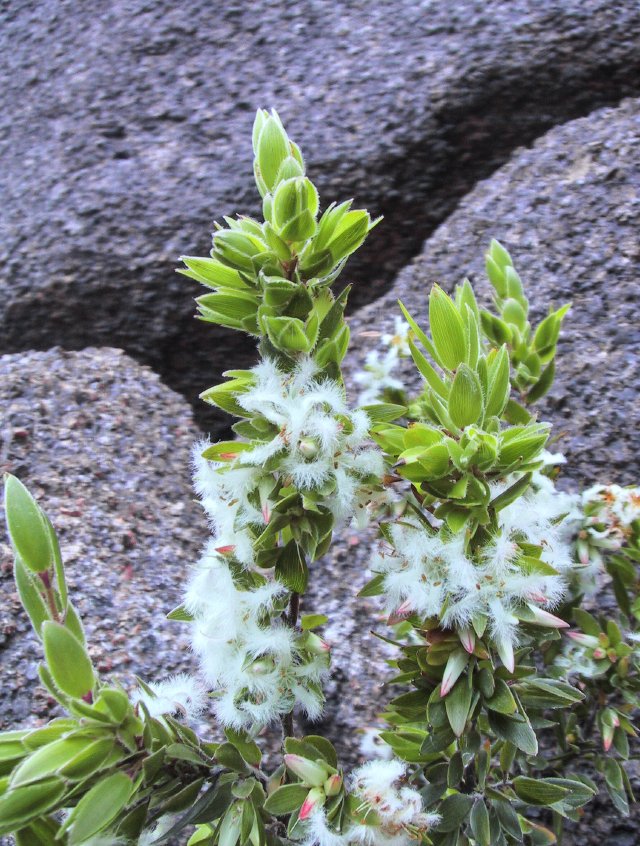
{"type": "Point", "coordinates": [292, 621]}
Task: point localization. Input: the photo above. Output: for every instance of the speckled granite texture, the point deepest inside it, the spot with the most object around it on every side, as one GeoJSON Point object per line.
{"type": "Point", "coordinates": [124, 131]}
{"type": "Point", "coordinates": [104, 446]}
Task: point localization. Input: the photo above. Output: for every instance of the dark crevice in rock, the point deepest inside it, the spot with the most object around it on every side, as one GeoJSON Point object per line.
{"type": "Point", "coordinates": [461, 145]}
{"type": "Point", "coordinates": [416, 188]}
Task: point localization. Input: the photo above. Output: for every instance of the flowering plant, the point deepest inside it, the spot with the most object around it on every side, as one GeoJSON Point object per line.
{"type": "Point", "coordinates": [482, 562]}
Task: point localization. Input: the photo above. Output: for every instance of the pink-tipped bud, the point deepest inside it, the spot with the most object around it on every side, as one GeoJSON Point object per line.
{"type": "Point", "coordinates": [316, 644]}
{"type": "Point", "coordinates": [455, 666]}
{"type": "Point", "coordinates": [312, 773]}
{"type": "Point", "coordinates": [333, 785]}
{"type": "Point", "coordinates": [607, 737]}
{"type": "Point", "coordinates": [401, 613]}
{"type": "Point", "coordinates": [225, 550]}
{"type": "Point", "coordinates": [315, 800]}
{"type": "Point", "coordinates": [266, 512]}
{"type": "Point", "coordinates": [583, 552]}
{"type": "Point", "coordinates": [535, 596]}
{"type": "Point", "coordinates": [599, 653]}
{"type": "Point", "coordinates": [588, 641]}
{"type": "Point", "coordinates": [545, 618]}
{"type": "Point", "coordinates": [467, 639]}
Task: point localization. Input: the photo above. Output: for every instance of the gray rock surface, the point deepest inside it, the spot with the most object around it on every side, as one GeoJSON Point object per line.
{"type": "Point", "coordinates": [568, 209]}
{"type": "Point", "coordinates": [124, 131]}
{"type": "Point", "coordinates": [104, 446]}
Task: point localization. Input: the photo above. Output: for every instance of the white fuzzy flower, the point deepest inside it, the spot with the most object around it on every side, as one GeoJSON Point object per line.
{"type": "Point", "coordinates": [399, 808]}
{"type": "Point", "coordinates": [373, 746]}
{"type": "Point", "coordinates": [181, 694]}
{"type": "Point", "coordinates": [257, 666]}
{"type": "Point", "coordinates": [319, 440]}
{"type": "Point", "coordinates": [431, 574]}
{"type": "Point", "coordinates": [398, 339]}
{"type": "Point", "coordinates": [376, 376]}
{"type": "Point", "coordinates": [376, 786]}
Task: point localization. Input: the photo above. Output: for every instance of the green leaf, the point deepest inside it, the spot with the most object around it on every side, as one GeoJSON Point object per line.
{"type": "Point", "coordinates": [291, 568]}
{"type": "Point", "coordinates": [30, 595]}
{"type": "Point", "coordinates": [324, 747]}
{"type": "Point", "coordinates": [515, 491]}
{"type": "Point", "coordinates": [245, 745]}
{"type": "Point", "coordinates": [384, 412]}
{"type": "Point", "coordinates": [465, 399]}
{"type": "Point", "coordinates": [20, 806]}
{"type": "Point", "coordinates": [181, 614]}
{"type": "Point", "coordinates": [433, 380]}
{"type": "Point", "coordinates": [502, 700]}
{"type": "Point", "coordinates": [89, 759]}
{"type": "Point", "coordinates": [519, 733]}
{"type": "Point", "coordinates": [454, 810]}
{"type": "Point", "coordinates": [544, 383]}
{"type": "Point", "coordinates": [67, 660]}
{"type": "Point", "coordinates": [457, 703]}
{"type": "Point", "coordinates": [47, 760]}
{"type": "Point", "coordinates": [286, 799]}
{"type": "Point", "coordinates": [231, 826]}
{"type": "Point", "coordinates": [420, 335]}
{"type": "Point", "coordinates": [447, 329]}
{"type": "Point", "coordinates": [498, 392]}
{"type": "Point", "coordinates": [229, 756]}
{"type": "Point", "coordinates": [374, 587]}
{"type": "Point", "coordinates": [538, 791]}
{"type": "Point", "coordinates": [287, 334]}
{"type": "Point", "coordinates": [212, 273]}
{"type": "Point", "coordinates": [27, 526]}
{"type": "Point", "coordinates": [312, 621]}
{"type": "Point", "coordinates": [479, 821]}
{"type": "Point", "coordinates": [271, 150]}
{"type": "Point", "coordinates": [99, 807]}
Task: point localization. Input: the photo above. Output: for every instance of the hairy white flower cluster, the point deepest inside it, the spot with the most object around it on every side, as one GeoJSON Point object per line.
{"type": "Point", "coordinates": [376, 375]}
{"type": "Point", "coordinates": [180, 694]}
{"type": "Point", "coordinates": [398, 816]}
{"type": "Point", "coordinates": [610, 513]}
{"type": "Point", "coordinates": [430, 573]}
{"type": "Point", "coordinates": [319, 440]}
{"type": "Point", "coordinates": [256, 665]}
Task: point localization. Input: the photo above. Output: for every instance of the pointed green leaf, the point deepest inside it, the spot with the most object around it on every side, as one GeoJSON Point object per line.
{"type": "Point", "coordinates": [27, 526]}
{"type": "Point", "coordinates": [465, 399]}
{"type": "Point", "coordinates": [67, 660]}
{"type": "Point", "coordinates": [447, 329]}
{"type": "Point", "coordinates": [99, 807]}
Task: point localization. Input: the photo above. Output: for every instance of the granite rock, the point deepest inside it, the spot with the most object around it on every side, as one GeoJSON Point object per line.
{"type": "Point", "coordinates": [104, 447]}
{"type": "Point", "coordinates": [124, 132]}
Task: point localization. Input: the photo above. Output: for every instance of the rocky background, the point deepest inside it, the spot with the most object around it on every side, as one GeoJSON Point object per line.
{"type": "Point", "coordinates": [124, 133]}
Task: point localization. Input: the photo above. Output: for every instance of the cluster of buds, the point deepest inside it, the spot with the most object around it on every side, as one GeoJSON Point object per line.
{"type": "Point", "coordinates": [532, 353]}
{"type": "Point", "coordinates": [449, 455]}
{"type": "Point", "coordinates": [271, 279]}
{"type": "Point", "coordinates": [323, 781]}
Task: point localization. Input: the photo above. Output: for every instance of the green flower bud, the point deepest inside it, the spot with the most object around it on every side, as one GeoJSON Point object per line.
{"type": "Point", "coordinates": [312, 773]}
{"type": "Point", "coordinates": [272, 149]}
